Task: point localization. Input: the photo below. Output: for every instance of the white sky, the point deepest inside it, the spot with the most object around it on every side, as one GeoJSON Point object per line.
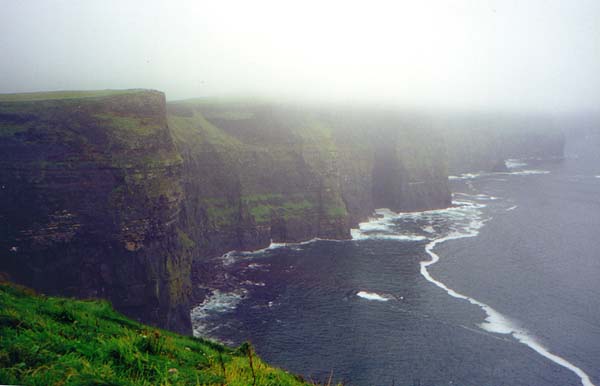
{"type": "Point", "coordinates": [461, 54]}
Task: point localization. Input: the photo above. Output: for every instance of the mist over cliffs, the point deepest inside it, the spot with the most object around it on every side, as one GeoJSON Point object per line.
{"type": "Point", "coordinates": [114, 194]}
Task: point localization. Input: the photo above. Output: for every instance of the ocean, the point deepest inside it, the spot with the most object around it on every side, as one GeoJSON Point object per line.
{"type": "Point", "coordinates": [503, 288]}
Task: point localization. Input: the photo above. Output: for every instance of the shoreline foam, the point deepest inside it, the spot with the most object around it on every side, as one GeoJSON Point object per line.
{"type": "Point", "coordinates": [495, 322]}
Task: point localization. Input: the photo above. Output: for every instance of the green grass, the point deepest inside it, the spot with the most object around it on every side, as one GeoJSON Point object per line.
{"type": "Point", "coordinates": [222, 215]}
{"type": "Point", "coordinates": [58, 341]}
{"type": "Point", "coordinates": [197, 130]}
{"type": "Point", "coordinates": [262, 213]}
{"type": "Point", "coordinates": [50, 95]}
{"type": "Point", "coordinates": [337, 211]}
{"type": "Point", "coordinates": [294, 207]}
{"type": "Point", "coordinates": [251, 198]}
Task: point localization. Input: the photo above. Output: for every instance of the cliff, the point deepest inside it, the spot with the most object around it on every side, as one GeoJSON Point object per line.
{"type": "Point", "coordinates": [482, 142]}
{"type": "Point", "coordinates": [90, 199]}
{"type": "Point", "coordinates": [257, 171]}
{"type": "Point", "coordinates": [114, 194]}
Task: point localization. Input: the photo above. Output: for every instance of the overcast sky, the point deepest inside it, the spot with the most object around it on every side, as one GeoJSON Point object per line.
{"type": "Point", "coordinates": [527, 54]}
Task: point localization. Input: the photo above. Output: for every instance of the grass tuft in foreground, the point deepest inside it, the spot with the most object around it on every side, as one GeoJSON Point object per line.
{"type": "Point", "coordinates": [57, 341]}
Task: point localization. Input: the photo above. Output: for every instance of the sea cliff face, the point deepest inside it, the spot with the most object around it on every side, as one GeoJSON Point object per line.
{"type": "Point", "coordinates": [90, 199]}
{"type": "Point", "coordinates": [483, 142]}
{"type": "Point", "coordinates": [258, 172]}
{"type": "Point", "coordinates": [115, 194]}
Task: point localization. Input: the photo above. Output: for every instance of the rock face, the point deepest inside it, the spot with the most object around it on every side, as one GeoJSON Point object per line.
{"type": "Point", "coordinates": [114, 194]}
{"type": "Point", "coordinates": [256, 172]}
{"type": "Point", "coordinates": [90, 201]}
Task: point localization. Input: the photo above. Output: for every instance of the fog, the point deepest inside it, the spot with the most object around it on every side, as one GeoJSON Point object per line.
{"type": "Point", "coordinates": [534, 55]}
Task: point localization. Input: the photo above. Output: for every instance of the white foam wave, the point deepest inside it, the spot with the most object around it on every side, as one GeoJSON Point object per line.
{"type": "Point", "coordinates": [409, 237]}
{"type": "Point", "coordinates": [271, 246]}
{"type": "Point", "coordinates": [374, 225]}
{"type": "Point", "coordinates": [232, 256]}
{"type": "Point", "coordinates": [460, 209]}
{"type": "Point", "coordinates": [479, 196]}
{"type": "Point", "coordinates": [513, 163]}
{"type": "Point", "coordinates": [356, 234]}
{"type": "Point", "coordinates": [529, 172]}
{"type": "Point", "coordinates": [257, 265]}
{"type": "Point", "coordinates": [471, 176]}
{"type": "Point", "coordinates": [372, 296]}
{"type": "Point", "coordinates": [485, 197]}
{"type": "Point", "coordinates": [494, 322]}
{"type": "Point", "coordinates": [253, 283]}
{"type": "Point", "coordinates": [228, 258]}
{"type": "Point", "coordinates": [382, 228]}
{"type": "Point", "coordinates": [428, 229]}
{"type": "Point", "coordinates": [527, 340]}
{"type": "Point", "coordinates": [216, 302]}
{"type": "Point", "coordinates": [465, 176]}
{"type": "Point", "coordinates": [275, 245]}
{"type": "Point", "coordinates": [511, 208]}
{"type": "Point", "coordinates": [359, 235]}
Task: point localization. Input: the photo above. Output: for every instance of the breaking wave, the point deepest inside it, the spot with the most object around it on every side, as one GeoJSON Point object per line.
{"type": "Point", "coordinates": [216, 303]}
{"type": "Point", "coordinates": [383, 227]}
{"type": "Point", "coordinates": [373, 296]}
{"type": "Point", "coordinates": [512, 172]}
{"type": "Point", "coordinates": [528, 172]}
{"type": "Point", "coordinates": [480, 196]}
{"type": "Point", "coordinates": [466, 176]}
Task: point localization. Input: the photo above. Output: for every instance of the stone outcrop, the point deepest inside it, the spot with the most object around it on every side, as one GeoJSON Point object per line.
{"type": "Point", "coordinates": [90, 199]}
{"type": "Point", "coordinates": [256, 172]}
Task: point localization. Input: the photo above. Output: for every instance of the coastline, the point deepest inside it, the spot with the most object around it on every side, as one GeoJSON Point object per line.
{"type": "Point", "coordinates": [494, 322]}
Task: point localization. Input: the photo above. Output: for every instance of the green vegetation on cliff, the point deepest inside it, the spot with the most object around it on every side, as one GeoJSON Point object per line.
{"type": "Point", "coordinates": [257, 171]}
{"type": "Point", "coordinates": [58, 341]}
{"type": "Point", "coordinates": [66, 94]}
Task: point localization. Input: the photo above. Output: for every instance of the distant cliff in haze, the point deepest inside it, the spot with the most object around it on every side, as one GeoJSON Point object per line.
{"type": "Point", "coordinates": [256, 172]}
{"type": "Point", "coordinates": [482, 142]}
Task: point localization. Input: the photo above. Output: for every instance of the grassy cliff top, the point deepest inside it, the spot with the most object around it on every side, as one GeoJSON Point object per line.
{"type": "Point", "coordinates": [67, 94]}
{"type": "Point", "coordinates": [225, 100]}
{"type": "Point", "coordinates": [57, 341]}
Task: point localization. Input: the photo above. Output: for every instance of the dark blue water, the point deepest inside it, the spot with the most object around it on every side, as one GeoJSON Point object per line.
{"type": "Point", "coordinates": [526, 244]}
